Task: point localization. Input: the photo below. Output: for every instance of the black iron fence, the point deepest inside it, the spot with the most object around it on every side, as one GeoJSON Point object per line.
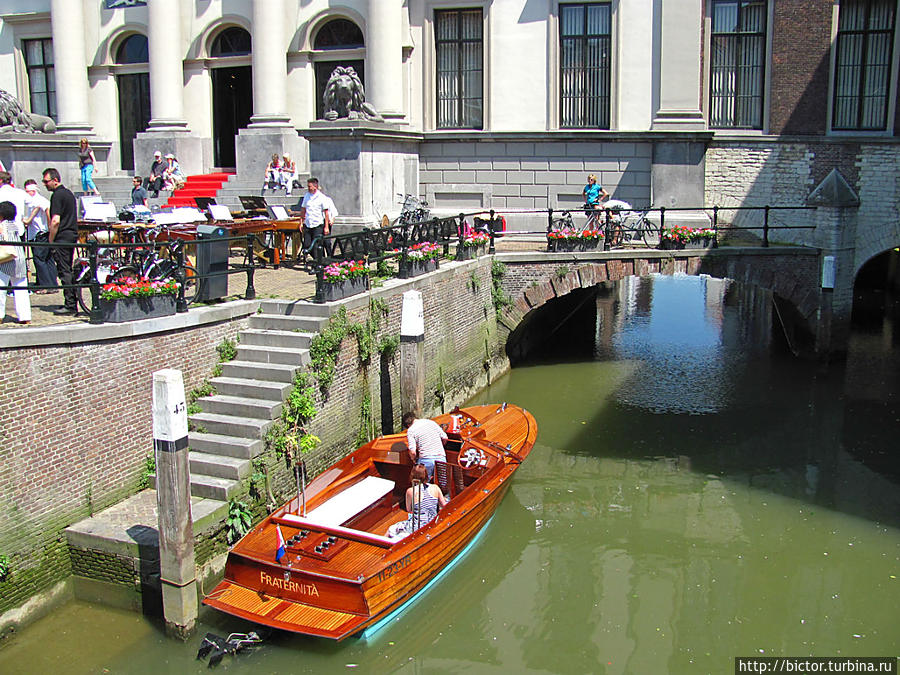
{"type": "Point", "coordinates": [96, 264]}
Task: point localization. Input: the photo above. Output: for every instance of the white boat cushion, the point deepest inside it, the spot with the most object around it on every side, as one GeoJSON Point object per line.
{"type": "Point", "coordinates": [346, 504]}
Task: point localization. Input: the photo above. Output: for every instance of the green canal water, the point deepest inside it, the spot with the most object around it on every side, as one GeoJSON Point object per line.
{"type": "Point", "coordinates": [695, 495]}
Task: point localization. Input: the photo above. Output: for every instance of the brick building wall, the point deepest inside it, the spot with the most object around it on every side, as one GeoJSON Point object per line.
{"type": "Point", "coordinates": [757, 173]}
{"type": "Point", "coordinates": [505, 175]}
{"type": "Point", "coordinates": [76, 432]}
{"type": "Point", "coordinates": [801, 44]}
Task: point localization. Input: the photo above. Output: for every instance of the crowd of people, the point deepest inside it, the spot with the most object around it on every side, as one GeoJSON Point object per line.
{"type": "Point", "coordinates": [27, 215]}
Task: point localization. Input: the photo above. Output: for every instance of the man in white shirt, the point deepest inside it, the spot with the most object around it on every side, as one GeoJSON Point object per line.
{"type": "Point", "coordinates": [8, 193]}
{"type": "Point", "coordinates": [37, 219]}
{"type": "Point", "coordinates": [426, 441]}
{"type": "Point", "coordinates": [315, 216]}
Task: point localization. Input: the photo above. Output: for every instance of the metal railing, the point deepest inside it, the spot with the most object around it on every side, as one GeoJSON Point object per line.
{"type": "Point", "coordinates": [113, 257]}
{"type": "Point", "coordinates": [392, 242]}
{"type": "Point", "coordinates": [612, 224]}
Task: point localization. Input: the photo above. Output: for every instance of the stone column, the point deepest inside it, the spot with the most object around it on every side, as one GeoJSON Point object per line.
{"type": "Point", "coordinates": [70, 67]}
{"type": "Point", "coordinates": [166, 72]}
{"type": "Point", "coordinates": [168, 129]}
{"type": "Point", "coordinates": [269, 64]}
{"type": "Point", "coordinates": [679, 72]}
{"type": "Point", "coordinates": [384, 57]}
{"type": "Point", "coordinates": [270, 129]}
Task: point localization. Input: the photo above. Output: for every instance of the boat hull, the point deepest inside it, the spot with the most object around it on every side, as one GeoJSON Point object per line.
{"type": "Point", "coordinates": [370, 577]}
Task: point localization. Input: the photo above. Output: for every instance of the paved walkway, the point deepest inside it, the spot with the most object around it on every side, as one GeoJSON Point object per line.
{"type": "Point", "coordinates": [285, 282]}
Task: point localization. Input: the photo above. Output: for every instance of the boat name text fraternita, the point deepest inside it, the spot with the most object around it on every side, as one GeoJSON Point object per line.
{"type": "Point", "coordinates": [288, 585]}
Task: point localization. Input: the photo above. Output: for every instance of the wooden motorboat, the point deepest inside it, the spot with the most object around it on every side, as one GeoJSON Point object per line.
{"type": "Point", "coordinates": [340, 573]}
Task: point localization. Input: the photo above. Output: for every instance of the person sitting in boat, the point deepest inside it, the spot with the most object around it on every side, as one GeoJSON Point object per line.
{"type": "Point", "coordinates": [426, 441]}
{"type": "Point", "coordinates": [423, 499]}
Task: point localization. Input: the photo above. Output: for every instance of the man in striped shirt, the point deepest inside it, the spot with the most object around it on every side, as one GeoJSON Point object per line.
{"type": "Point", "coordinates": [426, 441]}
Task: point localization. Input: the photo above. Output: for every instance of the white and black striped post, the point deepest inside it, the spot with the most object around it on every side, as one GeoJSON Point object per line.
{"type": "Point", "coordinates": [173, 500]}
{"type": "Point", "coordinates": [412, 353]}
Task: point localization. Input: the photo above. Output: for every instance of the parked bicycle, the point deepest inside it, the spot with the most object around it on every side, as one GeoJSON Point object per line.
{"type": "Point", "coordinates": [413, 210]}
{"type": "Point", "coordinates": [150, 265]}
{"type": "Point", "coordinates": [109, 270]}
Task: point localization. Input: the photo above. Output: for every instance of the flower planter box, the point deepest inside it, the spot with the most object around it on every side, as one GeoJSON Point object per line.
{"type": "Point", "coordinates": [670, 245]}
{"type": "Point", "coordinates": [132, 309]}
{"type": "Point", "coordinates": [329, 292]}
{"type": "Point", "coordinates": [592, 244]}
{"type": "Point", "coordinates": [415, 268]}
{"type": "Point", "coordinates": [702, 243]}
{"type": "Point", "coordinates": [563, 245]}
{"type": "Point", "coordinates": [470, 252]}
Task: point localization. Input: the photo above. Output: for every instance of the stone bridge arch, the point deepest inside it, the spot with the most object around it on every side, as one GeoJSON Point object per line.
{"type": "Point", "coordinates": [791, 273]}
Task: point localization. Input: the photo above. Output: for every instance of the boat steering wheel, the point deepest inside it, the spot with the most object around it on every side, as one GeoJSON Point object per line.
{"type": "Point", "coordinates": [471, 457]}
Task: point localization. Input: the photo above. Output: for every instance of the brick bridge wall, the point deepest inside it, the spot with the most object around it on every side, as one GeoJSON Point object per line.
{"type": "Point", "coordinates": [531, 281]}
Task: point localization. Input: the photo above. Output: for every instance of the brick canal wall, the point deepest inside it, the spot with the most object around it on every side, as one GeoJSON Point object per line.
{"type": "Point", "coordinates": [76, 432]}
{"type": "Point", "coordinates": [78, 424]}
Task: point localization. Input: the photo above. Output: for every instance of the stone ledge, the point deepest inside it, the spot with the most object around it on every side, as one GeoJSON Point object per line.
{"type": "Point", "coordinates": [68, 334]}
{"type": "Point", "coordinates": [126, 527]}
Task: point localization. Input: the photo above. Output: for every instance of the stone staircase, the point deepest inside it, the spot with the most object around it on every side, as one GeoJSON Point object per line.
{"type": "Point", "coordinates": [235, 187]}
{"type": "Point", "coordinates": [117, 189]}
{"type": "Point", "coordinates": [250, 392]}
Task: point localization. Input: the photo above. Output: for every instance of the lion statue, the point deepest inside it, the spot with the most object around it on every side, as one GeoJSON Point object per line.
{"type": "Point", "coordinates": [345, 97]}
{"type": "Point", "coordinates": [14, 118]}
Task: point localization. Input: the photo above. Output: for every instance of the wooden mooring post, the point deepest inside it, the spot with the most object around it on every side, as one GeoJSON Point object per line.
{"type": "Point", "coordinates": [173, 501]}
{"type": "Point", "coordinates": [412, 354]}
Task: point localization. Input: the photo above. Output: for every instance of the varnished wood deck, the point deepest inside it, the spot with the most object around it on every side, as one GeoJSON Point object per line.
{"type": "Point", "coordinates": [360, 582]}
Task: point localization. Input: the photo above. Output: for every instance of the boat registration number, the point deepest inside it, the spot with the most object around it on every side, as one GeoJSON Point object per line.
{"type": "Point", "coordinates": [393, 568]}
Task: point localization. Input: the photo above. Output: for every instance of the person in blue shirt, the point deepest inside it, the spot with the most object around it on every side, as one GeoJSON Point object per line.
{"type": "Point", "coordinates": [594, 195]}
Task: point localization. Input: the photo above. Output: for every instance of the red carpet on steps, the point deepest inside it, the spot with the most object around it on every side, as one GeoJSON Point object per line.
{"type": "Point", "coordinates": [203, 185]}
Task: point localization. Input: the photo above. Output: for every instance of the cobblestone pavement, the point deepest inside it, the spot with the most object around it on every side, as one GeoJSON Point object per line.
{"type": "Point", "coordinates": [291, 283]}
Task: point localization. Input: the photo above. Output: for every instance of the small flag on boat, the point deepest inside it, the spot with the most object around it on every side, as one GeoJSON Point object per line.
{"type": "Point", "coordinates": [279, 553]}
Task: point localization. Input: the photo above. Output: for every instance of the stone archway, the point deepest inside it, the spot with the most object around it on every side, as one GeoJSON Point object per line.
{"type": "Point", "coordinates": [792, 274]}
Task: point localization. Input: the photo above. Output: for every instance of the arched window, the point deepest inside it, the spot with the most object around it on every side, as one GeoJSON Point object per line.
{"type": "Point", "coordinates": [339, 34]}
{"type": "Point", "coordinates": [133, 50]}
{"type": "Point", "coordinates": [231, 42]}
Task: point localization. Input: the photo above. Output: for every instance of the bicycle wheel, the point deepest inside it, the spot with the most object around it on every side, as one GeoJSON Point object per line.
{"type": "Point", "coordinates": [649, 233]}
{"type": "Point", "coordinates": [80, 275]}
{"type": "Point", "coordinates": [192, 284]}
{"type": "Point", "coordinates": [122, 273]}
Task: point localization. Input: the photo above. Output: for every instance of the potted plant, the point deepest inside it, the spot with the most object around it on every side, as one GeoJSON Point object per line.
{"type": "Point", "coordinates": [702, 238]}
{"type": "Point", "coordinates": [675, 237]}
{"type": "Point", "coordinates": [342, 279]}
{"type": "Point", "coordinates": [137, 298]}
{"type": "Point", "coordinates": [590, 239]}
{"type": "Point", "coordinates": [563, 239]}
{"type": "Point", "coordinates": [419, 259]}
{"type": "Point", "coordinates": [472, 246]}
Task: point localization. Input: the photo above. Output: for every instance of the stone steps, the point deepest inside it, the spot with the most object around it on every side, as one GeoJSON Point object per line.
{"type": "Point", "coordinates": [226, 446]}
{"type": "Point", "coordinates": [218, 466]}
{"type": "Point", "coordinates": [304, 324]}
{"type": "Point", "coordinates": [250, 392]}
{"type": "Point", "coordinates": [230, 425]}
{"type": "Point", "coordinates": [280, 355]}
{"type": "Point", "coordinates": [240, 386]}
{"type": "Point", "coordinates": [240, 406]}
